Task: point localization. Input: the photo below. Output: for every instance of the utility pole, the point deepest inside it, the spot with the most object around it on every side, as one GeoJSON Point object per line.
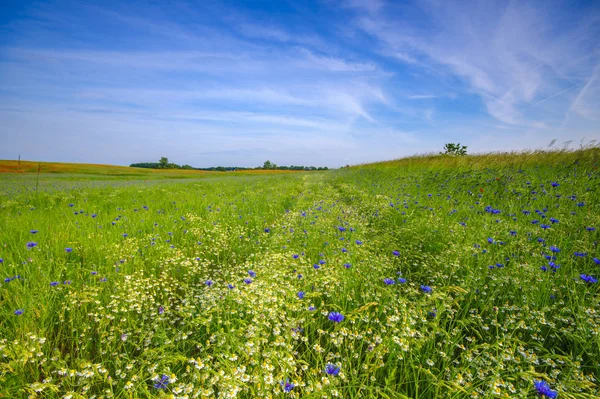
{"type": "Point", "coordinates": [19, 159]}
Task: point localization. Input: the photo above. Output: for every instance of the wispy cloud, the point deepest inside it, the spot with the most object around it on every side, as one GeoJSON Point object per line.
{"type": "Point", "coordinates": [332, 83]}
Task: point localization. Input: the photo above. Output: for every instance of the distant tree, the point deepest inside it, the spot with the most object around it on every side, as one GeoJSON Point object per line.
{"type": "Point", "coordinates": [267, 165]}
{"type": "Point", "coordinates": [163, 163]}
{"type": "Point", "coordinates": [454, 149]}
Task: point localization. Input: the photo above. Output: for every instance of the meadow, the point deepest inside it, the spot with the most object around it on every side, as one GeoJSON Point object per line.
{"type": "Point", "coordinates": [426, 277]}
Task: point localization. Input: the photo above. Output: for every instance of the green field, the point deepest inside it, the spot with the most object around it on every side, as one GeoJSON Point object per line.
{"type": "Point", "coordinates": [427, 277]}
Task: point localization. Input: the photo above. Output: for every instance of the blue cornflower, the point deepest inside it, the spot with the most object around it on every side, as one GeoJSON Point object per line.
{"type": "Point", "coordinates": [426, 289]}
{"type": "Point", "coordinates": [321, 262]}
{"type": "Point", "coordinates": [295, 256]}
{"type": "Point", "coordinates": [336, 317]}
{"type": "Point", "coordinates": [311, 308]}
{"type": "Point", "coordinates": [33, 231]}
{"type": "Point", "coordinates": [287, 385]}
{"type": "Point", "coordinates": [68, 250]}
{"type": "Point", "coordinates": [103, 280]}
{"type": "Point", "coordinates": [596, 261]}
{"type": "Point", "coordinates": [344, 250]}
{"type": "Point", "coordinates": [395, 253]}
{"type": "Point", "coordinates": [540, 240]}
{"type": "Point", "coordinates": [545, 226]}
{"type": "Point", "coordinates": [1, 260]}
{"type": "Point", "coordinates": [230, 286]}
{"type": "Point", "coordinates": [543, 389]}
{"type": "Point", "coordinates": [94, 215]}
{"type": "Point", "coordinates": [208, 283]}
{"type": "Point", "coordinates": [316, 266]}
{"type": "Point", "coordinates": [513, 233]}
{"type": "Point", "coordinates": [543, 268]}
{"type": "Point", "coordinates": [248, 280]}
{"type": "Point", "coordinates": [490, 240]}
{"type": "Point", "coordinates": [332, 369]}
{"type": "Point", "coordinates": [590, 228]}
{"type": "Point", "coordinates": [301, 294]}
{"type": "Point", "coordinates": [580, 254]}
{"type": "Point", "coordinates": [251, 273]}
{"type": "Point", "coordinates": [19, 312]}
{"type": "Point", "coordinates": [162, 382]}
{"type": "Point", "coordinates": [588, 279]}
{"type": "Point", "coordinates": [554, 249]}
{"type": "Point", "coordinates": [161, 309]}
{"type": "Point", "coordinates": [401, 280]}
{"type": "Point", "coordinates": [389, 281]}
{"type": "Point", "coordinates": [553, 220]}
{"type": "Point", "coordinates": [358, 242]}
{"type": "Point", "coordinates": [31, 244]}
{"type": "Point", "coordinates": [341, 229]}
{"type": "Point", "coordinates": [267, 230]}
{"type": "Point", "coordinates": [54, 283]}
{"type": "Point", "coordinates": [347, 265]}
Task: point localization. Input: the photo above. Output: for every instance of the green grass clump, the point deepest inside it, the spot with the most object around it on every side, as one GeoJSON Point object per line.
{"type": "Point", "coordinates": [456, 278]}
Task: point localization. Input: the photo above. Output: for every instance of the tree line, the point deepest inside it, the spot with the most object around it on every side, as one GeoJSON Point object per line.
{"type": "Point", "coordinates": [164, 163]}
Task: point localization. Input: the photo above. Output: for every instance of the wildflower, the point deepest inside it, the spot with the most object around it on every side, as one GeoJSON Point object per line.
{"type": "Point", "coordinates": [426, 289]}
{"type": "Point", "coordinates": [543, 389]}
{"type": "Point", "coordinates": [590, 228]}
{"type": "Point", "coordinates": [336, 317]}
{"type": "Point", "coordinates": [543, 268]}
{"type": "Point", "coordinates": [208, 283]}
{"type": "Point", "coordinates": [162, 382]}
{"type": "Point", "coordinates": [311, 308]}
{"type": "Point", "coordinates": [161, 310]}
{"type": "Point", "coordinates": [358, 242]}
{"type": "Point", "coordinates": [31, 244]}
{"type": "Point", "coordinates": [54, 283]}
{"type": "Point", "coordinates": [347, 265]}
{"type": "Point", "coordinates": [287, 385]}
{"type": "Point", "coordinates": [123, 337]}
{"type": "Point", "coordinates": [295, 256]}
{"type": "Point", "coordinates": [68, 250]}
{"type": "Point", "coordinates": [94, 273]}
{"type": "Point", "coordinates": [332, 369]}
{"type": "Point", "coordinates": [103, 280]}
{"type": "Point", "coordinates": [554, 249]}
{"type": "Point", "coordinates": [19, 312]}
{"type": "Point", "coordinates": [248, 280]}
{"type": "Point", "coordinates": [389, 281]}
{"type": "Point", "coordinates": [597, 261]}
{"type": "Point", "coordinates": [401, 280]}
{"type": "Point", "coordinates": [588, 279]}
{"type": "Point", "coordinates": [267, 230]}
{"type": "Point", "coordinates": [395, 253]}
{"type": "Point", "coordinates": [301, 294]}
{"type": "Point", "coordinates": [33, 231]}
{"type": "Point", "coordinates": [1, 260]}
{"type": "Point", "coordinates": [230, 286]}
{"type": "Point", "coordinates": [322, 262]}
{"type": "Point", "coordinates": [490, 240]}
{"type": "Point", "coordinates": [580, 254]}
{"type": "Point", "coordinates": [316, 266]}
{"type": "Point", "coordinates": [67, 282]}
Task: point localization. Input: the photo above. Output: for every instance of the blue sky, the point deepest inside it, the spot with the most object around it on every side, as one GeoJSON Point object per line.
{"type": "Point", "coordinates": [323, 82]}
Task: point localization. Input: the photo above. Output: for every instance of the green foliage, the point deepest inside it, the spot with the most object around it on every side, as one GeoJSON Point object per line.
{"type": "Point", "coordinates": [454, 149]}
{"type": "Point", "coordinates": [132, 303]}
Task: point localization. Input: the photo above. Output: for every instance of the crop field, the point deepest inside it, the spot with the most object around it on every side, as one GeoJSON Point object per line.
{"type": "Point", "coordinates": [428, 277]}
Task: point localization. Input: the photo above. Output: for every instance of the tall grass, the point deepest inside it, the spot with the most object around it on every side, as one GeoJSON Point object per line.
{"type": "Point", "coordinates": [456, 277]}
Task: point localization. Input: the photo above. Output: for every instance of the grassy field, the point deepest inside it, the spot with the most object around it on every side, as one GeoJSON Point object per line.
{"type": "Point", "coordinates": [95, 171]}
{"type": "Point", "coordinates": [428, 277]}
